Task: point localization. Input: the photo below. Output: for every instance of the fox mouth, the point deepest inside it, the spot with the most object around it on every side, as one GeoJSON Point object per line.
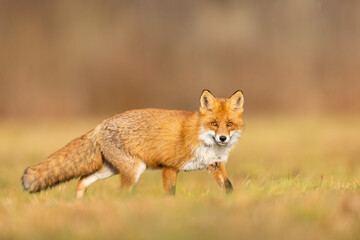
{"type": "Point", "coordinates": [220, 143]}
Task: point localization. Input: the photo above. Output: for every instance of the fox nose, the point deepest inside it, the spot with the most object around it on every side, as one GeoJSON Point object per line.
{"type": "Point", "coordinates": [222, 138]}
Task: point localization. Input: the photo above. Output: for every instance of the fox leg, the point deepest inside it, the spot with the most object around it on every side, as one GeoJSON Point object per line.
{"type": "Point", "coordinates": [169, 180]}
{"type": "Point", "coordinates": [85, 181]}
{"type": "Point", "coordinates": [129, 167]}
{"type": "Point", "coordinates": [131, 173]}
{"type": "Point", "coordinates": [218, 171]}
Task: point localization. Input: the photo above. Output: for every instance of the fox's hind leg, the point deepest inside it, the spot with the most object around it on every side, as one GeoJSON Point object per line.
{"type": "Point", "coordinates": [85, 181]}
{"type": "Point", "coordinates": [131, 173]}
{"type": "Point", "coordinates": [128, 167]}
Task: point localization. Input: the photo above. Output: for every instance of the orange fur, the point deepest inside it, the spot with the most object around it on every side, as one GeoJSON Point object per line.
{"type": "Point", "coordinates": [78, 158]}
{"type": "Point", "coordinates": [222, 113]}
{"type": "Point", "coordinates": [128, 143]}
{"type": "Point", "coordinates": [169, 179]}
{"type": "Point", "coordinates": [218, 171]}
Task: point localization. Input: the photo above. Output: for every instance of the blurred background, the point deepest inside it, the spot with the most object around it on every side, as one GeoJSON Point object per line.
{"type": "Point", "coordinates": [66, 65]}
{"type": "Point", "coordinates": [80, 58]}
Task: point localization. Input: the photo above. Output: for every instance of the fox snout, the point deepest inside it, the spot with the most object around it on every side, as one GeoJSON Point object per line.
{"type": "Point", "coordinates": [222, 139]}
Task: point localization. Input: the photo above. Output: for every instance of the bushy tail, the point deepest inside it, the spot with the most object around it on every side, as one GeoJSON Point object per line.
{"type": "Point", "coordinates": [80, 157]}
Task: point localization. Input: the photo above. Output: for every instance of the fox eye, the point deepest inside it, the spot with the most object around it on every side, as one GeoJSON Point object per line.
{"type": "Point", "coordinates": [214, 124]}
{"type": "Point", "coordinates": [229, 124]}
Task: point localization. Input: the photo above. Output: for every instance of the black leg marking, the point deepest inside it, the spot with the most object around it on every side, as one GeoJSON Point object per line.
{"type": "Point", "coordinates": [228, 186]}
{"type": "Point", "coordinates": [172, 190]}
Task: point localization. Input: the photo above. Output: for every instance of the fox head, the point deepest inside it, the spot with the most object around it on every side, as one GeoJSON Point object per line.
{"type": "Point", "coordinates": [221, 119]}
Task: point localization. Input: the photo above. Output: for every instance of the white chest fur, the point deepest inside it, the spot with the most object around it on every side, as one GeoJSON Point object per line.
{"type": "Point", "coordinates": [206, 155]}
{"type": "Point", "coordinates": [209, 152]}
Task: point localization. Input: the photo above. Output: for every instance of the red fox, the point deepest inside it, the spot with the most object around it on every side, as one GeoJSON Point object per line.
{"type": "Point", "coordinates": [135, 140]}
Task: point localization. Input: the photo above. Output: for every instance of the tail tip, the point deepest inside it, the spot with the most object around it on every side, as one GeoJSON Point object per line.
{"type": "Point", "coordinates": [27, 181]}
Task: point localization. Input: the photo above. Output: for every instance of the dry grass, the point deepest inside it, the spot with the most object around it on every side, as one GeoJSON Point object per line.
{"type": "Point", "coordinates": [294, 178]}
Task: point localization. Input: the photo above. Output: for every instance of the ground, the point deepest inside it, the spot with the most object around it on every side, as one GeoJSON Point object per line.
{"type": "Point", "coordinates": [294, 177]}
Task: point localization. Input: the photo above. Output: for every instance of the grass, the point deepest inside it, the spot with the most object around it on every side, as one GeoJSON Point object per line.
{"type": "Point", "coordinates": [294, 178]}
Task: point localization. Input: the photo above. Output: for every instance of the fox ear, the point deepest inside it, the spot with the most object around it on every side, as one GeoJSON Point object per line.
{"type": "Point", "coordinates": [207, 101]}
{"type": "Point", "coordinates": [236, 102]}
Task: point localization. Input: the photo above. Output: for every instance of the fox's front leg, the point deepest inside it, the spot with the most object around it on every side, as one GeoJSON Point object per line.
{"type": "Point", "coordinates": [219, 173]}
{"type": "Point", "coordinates": [169, 180]}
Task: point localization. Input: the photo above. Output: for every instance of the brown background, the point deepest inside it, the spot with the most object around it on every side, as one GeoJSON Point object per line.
{"type": "Point", "coordinates": [67, 58]}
